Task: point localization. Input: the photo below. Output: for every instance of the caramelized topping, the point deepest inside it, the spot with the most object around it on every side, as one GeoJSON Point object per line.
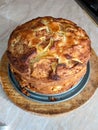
{"type": "Point", "coordinates": [47, 37]}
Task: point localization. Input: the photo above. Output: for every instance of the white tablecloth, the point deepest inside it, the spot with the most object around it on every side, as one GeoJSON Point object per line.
{"type": "Point", "coordinates": [15, 12]}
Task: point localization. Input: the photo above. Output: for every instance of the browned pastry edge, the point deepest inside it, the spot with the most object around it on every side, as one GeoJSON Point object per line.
{"type": "Point", "coordinates": [49, 87]}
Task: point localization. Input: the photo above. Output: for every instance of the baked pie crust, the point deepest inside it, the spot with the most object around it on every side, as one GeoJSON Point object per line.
{"type": "Point", "coordinates": [48, 55]}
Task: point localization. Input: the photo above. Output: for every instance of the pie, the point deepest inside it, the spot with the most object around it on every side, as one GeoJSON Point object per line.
{"type": "Point", "coordinates": [48, 55]}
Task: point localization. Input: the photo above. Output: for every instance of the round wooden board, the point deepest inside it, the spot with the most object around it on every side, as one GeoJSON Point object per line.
{"type": "Point", "coordinates": [50, 109]}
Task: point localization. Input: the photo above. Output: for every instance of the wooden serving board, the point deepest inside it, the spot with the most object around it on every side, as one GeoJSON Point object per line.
{"type": "Point", "coordinates": [50, 109]}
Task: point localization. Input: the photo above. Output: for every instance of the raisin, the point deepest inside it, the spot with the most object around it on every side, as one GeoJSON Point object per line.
{"type": "Point", "coordinates": [54, 76]}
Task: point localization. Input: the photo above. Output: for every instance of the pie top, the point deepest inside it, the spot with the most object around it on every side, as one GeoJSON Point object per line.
{"type": "Point", "coordinates": [47, 44]}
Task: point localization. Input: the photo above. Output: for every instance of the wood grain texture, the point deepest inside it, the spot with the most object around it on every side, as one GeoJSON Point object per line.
{"type": "Point", "coordinates": [50, 109]}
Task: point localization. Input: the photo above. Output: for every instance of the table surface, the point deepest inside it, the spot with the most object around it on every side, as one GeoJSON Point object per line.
{"type": "Point", "coordinates": [15, 12]}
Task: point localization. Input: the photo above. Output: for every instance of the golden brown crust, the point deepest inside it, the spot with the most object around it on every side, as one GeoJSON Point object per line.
{"type": "Point", "coordinates": [49, 50]}
{"type": "Point", "coordinates": [47, 86]}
